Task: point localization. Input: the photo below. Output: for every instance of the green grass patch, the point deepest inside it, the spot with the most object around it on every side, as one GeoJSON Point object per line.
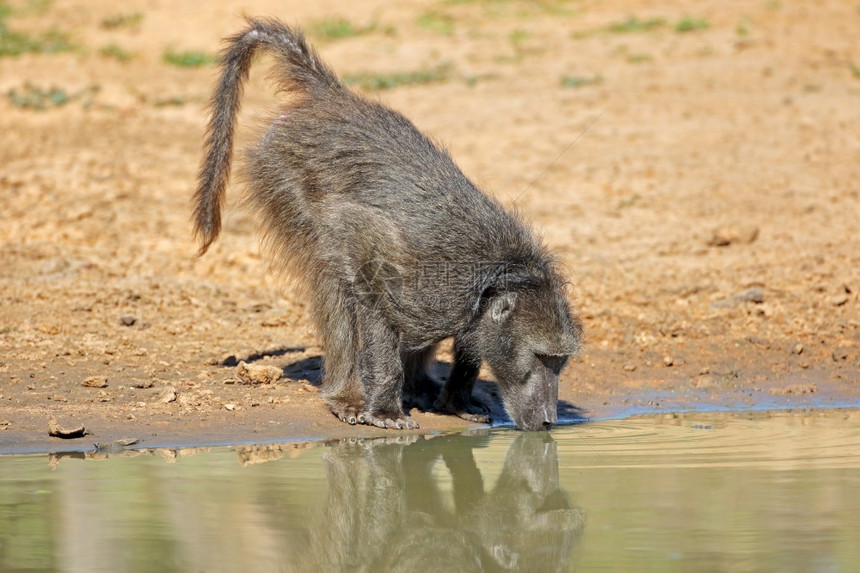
{"type": "Point", "coordinates": [28, 7]}
{"type": "Point", "coordinates": [116, 52]}
{"type": "Point", "coordinates": [635, 25]}
{"type": "Point", "coordinates": [175, 101]}
{"type": "Point", "coordinates": [519, 8]}
{"type": "Point", "coordinates": [639, 58]}
{"type": "Point", "coordinates": [34, 97]}
{"type": "Point", "coordinates": [189, 59]}
{"type": "Point", "coordinates": [518, 38]}
{"type": "Point", "coordinates": [436, 22]}
{"type": "Point", "coordinates": [580, 81]}
{"type": "Point", "coordinates": [371, 81]}
{"type": "Point", "coordinates": [687, 24]}
{"type": "Point", "coordinates": [339, 28]}
{"type": "Point", "coordinates": [855, 70]}
{"type": "Point", "coordinates": [122, 21]}
{"type": "Point", "coordinates": [16, 43]}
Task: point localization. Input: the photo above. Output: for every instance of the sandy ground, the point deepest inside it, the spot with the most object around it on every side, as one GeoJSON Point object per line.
{"type": "Point", "coordinates": [694, 164]}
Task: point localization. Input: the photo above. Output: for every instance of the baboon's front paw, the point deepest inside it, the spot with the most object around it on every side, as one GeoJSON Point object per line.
{"type": "Point", "coordinates": [346, 414]}
{"type": "Point", "coordinates": [399, 422]}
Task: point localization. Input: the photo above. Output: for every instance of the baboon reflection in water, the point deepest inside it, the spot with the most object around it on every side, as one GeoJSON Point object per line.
{"type": "Point", "coordinates": [387, 510]}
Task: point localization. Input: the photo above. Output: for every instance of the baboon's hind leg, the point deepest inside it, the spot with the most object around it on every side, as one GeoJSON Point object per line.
{"type": "Point", "coordinates": [420, 388]}
{"type": "Point", "coordinates": [456, 396]}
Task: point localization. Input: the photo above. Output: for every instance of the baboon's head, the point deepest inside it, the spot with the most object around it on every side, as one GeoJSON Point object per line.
{"type": "Point", "coordinates": [526, 335]}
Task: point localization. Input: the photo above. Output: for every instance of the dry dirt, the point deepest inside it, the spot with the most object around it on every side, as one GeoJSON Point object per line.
{"type": "Point", "coordinates": [694, 164]}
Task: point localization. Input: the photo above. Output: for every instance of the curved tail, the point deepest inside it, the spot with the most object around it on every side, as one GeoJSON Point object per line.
{"type": "Point", "coordinates": [299, 68]}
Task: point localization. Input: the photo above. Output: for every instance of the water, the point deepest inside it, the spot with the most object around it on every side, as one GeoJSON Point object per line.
{"type": "Point", "coordinates": [703, 492]}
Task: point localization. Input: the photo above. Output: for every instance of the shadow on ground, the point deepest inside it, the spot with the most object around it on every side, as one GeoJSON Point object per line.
{"type": "Point", "coordinates": [310, 370]}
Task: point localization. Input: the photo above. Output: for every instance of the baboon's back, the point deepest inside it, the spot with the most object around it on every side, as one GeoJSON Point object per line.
{"type": "Point", "coordinates": [357, 171]}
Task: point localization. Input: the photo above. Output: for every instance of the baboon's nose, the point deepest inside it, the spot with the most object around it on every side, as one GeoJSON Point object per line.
{"type": "Point", "coordinates": [547, 425]}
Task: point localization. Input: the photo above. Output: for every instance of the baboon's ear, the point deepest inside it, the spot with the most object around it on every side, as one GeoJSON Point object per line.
{"type": "Point", "coordinates": [501, 306]}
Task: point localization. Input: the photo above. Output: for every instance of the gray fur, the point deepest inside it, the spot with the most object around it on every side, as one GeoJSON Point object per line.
{"type": "Point", "coordinates": [395, 247]}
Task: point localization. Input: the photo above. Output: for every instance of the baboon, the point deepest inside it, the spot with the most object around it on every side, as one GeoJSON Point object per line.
{"type": "Point", "coordinates": [396, 249]}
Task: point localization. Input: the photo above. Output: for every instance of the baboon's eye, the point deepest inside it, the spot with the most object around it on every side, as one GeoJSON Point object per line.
{"type": "Point", "coordinates": [553, 362]}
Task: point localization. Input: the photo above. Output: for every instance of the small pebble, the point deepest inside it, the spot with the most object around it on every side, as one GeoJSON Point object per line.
{"type": "Point", "coordinates": [127, 320]}
{"type": "Point", "coordinates": [798, 349]}
{"type": "Point", "coordinates": [839, 355]}
{"type": "Point", "coordinates": [57, 431]}
{"type": "Point", "coordinates": [258, 374]}
{"type": "Point", "coordinates": [668, 360]}
{"type": "Point", "coordinates": [95, 382]}
{"type": "Point", "coordinates": [733, 234]}
{"type": "Point", "coordinates": [754, 295]}
{"type": "Point", "coordinates": [168, 396]}
{"type": "Point", "coordinates": [629, 367]}
{"type": "Point", "coordinates": [230, 407]}
{"type": "Point", "coordinates": [839, 299]}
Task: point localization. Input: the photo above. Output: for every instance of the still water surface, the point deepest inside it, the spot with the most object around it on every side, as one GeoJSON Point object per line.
{"type": "Point", "coordinates": [703, 492]}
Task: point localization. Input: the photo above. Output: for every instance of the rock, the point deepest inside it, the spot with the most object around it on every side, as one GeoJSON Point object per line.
{"type": "Point", "coordinates": [142, 384]}
{"type": "Point", "coordinates": [257, 374]}
{"type": "Point", "coordinates": [798, 349]}
{"type": "Point", "coordinates": [229, 407]}
{"type": "Point", "coordinates": [839, 299]}
{"type": "Point", "coordinates": [668, 360]}
{"type": "Point", "coordinates": [168, 396]}
{"type": "Point", "coordinates": [754, 295]}
{"type": "Point", "coordinates": [734, 233]}
{"type": "Point", "coordinates": [629, 367]}
{"type": "Point", "coordinates": [839, 355]}
{"type": "Point", "coordinates": [95, 382]}
{"type": "Point", "coordinates": [127, 320]}
{"type": "Point", "coordinates": [57, 431]}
